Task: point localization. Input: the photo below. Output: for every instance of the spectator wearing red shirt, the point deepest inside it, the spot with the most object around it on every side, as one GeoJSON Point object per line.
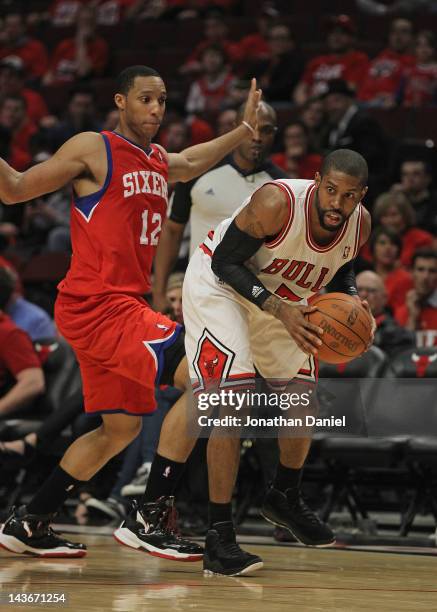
{"type": "Point", "coordinates": [85, 55]}
{"type": "Point", "coordinates": [210, 92]}
{"type": "Point", "coordinates": [297, 161]}
{"type": "Point", "coordinates": [21, 376]}
{"type": "Point", "coordinates": [385, 248]}
{"type": "Point", "coordinates": [255, 47]}
{"type": "Point", "coordinates": [216, 32]}
{"type": "Point", "coordinates": [381, 86]}
{"type": "Point", "coordinates": [200, 130]}
{"type": "Point", "coordinates": [12, 84]}
{"type": "Point", "coordinates": [14, 118]}
{"type": "Point", "coordinates": [342, 62]}
{"type": "Point", "coordinates": [393, 210]}
{"type": "Point", "coordinates": [15, 42]}
{"type": "Point", "coordinates": [419, 313]}
{"type": "Point", "coordinates": [420, 88]}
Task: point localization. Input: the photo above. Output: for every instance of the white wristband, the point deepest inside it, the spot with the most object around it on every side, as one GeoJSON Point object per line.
{"type": "Point", "coordinates": [249, 127]}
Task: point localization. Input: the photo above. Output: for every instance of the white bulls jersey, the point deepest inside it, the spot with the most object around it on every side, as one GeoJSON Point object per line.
{"type": "Point", "coordinates": [293, 265]}
{"type": "Point", "coordinates": [227, 336]}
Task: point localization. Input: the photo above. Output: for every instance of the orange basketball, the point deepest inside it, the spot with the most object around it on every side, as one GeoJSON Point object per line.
{"type": "Point", "coordinates": [346, 327]}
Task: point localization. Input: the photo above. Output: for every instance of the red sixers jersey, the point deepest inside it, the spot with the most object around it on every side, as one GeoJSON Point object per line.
{"type": "Point", "coordinates": [115, 231]}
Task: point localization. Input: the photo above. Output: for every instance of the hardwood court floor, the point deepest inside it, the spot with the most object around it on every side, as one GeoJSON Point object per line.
{"type": "Point", "coordinates": [116, 578]}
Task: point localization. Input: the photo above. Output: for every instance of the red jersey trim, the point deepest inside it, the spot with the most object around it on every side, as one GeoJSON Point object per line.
{"type": "Point", "coordinates": [358, 231]}
{"type": "Point", "coordinates": [205, 249]}
{"type": "Point", "coordinates": [245, 380]}
{"type": "Point", "coordinates": [291, 204]}
{"type": "Point", "coordinates": [310, 376]}
{"type": "Point", "coordinates": [311, 243]}
{"type": "Point", "coordinates": [312, 372]}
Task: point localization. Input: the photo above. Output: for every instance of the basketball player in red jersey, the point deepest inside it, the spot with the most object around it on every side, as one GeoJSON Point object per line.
{"type": "Point", "coordinates": [123, 347]}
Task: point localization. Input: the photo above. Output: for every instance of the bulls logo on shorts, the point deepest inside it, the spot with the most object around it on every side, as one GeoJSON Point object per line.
{"type": "Point", "coordinates": [212, 362]}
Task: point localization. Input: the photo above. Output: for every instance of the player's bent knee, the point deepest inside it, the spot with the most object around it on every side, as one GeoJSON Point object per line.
{"type": "Point", "coordinates": [122, 428]}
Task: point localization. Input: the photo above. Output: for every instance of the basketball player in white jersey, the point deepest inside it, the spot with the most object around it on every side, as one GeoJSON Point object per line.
{"type": "Point", "coordinates": [245, 300]}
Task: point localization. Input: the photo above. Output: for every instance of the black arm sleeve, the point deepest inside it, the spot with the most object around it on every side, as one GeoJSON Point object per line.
{"type": "Point", "coordinates": [344, 280]}
{"type": "Point", "coordinates": [227, 263]}
{"type": "Point", "coordinates": [180, 202]}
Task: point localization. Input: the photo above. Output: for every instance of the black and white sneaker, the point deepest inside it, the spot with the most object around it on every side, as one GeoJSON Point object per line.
{"type": "Point", "coordinates": [223, 555]}
{"type": "Point", "coordinates": [153, 528]}
{"type": "Point", "coordinates": [290, 511]}
{"type": "Point", "coordinates": [31, 534]}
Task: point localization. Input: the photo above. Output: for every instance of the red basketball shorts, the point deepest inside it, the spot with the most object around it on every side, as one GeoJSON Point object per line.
{"type": "Point", "coordinates": [119, 342]}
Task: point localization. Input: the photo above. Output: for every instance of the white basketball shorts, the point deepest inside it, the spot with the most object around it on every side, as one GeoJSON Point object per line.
{"type": "Point", "coordinates": [227, 337]}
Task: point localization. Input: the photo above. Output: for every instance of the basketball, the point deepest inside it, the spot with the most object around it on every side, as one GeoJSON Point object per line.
{"type": "Point", "coordinates": [346, 325]}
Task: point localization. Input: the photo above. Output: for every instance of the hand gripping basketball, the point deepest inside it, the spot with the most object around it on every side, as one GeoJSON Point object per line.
{"type": "Point", "coordinates": [347, 324]}
{"type": "Point", "coordinates": [304, 332]}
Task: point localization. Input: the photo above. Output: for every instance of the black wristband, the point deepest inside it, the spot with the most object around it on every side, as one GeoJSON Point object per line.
{"type": "Point", "coordinates": [228, 264]}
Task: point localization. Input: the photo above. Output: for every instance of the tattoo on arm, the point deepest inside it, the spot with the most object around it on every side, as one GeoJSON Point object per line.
{"type": "Point", "coordinates": [265, 214]}
{"type": "Point", "coordinates": [251, 224]}
{"type": "Point", "coordinates": [273, 305]}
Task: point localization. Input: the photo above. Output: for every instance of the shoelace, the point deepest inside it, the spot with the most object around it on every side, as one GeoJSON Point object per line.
{"type": "Point", "coordinates": [305, 510]}
{"type": "Point", "coordinates": [40, 528]}
{"type": "Point", "coordinates": [171, 522]}
{"type": "Point", "coordinates": [231, 548]}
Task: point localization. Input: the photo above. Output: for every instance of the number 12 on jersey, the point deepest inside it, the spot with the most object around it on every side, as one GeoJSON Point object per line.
{"type": "Point", "coordinates": [151, 230]}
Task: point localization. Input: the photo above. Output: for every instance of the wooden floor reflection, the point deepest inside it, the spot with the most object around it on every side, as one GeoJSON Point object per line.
{"type": "Point", "coordinates": [115, 578]}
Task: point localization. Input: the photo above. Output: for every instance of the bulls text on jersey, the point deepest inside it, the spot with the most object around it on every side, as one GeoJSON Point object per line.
{"type": "Point", "coordinates": [297, 271]}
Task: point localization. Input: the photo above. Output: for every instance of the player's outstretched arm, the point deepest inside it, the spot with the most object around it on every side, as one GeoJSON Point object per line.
{"type": "Point", "coordinates": [264, 216]}
{"type": "Point", "coordinates": [196, 160]}
{"type": "Point", "coordinates": [73, 159]}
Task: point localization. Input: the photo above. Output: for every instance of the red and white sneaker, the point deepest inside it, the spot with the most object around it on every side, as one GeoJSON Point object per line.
{"type": "Point", "coordinates": [31, 534]}
{"type": "Point", "coordinates": [153, 529]}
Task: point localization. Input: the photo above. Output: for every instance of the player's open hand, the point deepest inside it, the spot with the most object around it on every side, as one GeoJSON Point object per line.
{"type": "Point", "coordinates": [253, 100]}
{"type": "Point", "coordinates": [305, 334]}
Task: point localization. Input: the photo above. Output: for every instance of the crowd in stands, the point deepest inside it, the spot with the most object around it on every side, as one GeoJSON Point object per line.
{"type": "Point", "coordinates": [58, 61]}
